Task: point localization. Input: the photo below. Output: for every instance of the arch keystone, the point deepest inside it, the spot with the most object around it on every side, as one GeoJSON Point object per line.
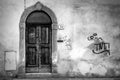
{"type": "Point", "coordinates": [38, 5]}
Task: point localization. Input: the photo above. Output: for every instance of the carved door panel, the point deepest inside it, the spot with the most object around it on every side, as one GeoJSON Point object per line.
{"type": "Point", "coordinates": [45, 49]}
{"type": "Point", "coordinates": [38, 48]}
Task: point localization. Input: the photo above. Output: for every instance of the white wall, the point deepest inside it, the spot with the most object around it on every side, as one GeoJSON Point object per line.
{"type": "Point", "coordinates": [80, 19]}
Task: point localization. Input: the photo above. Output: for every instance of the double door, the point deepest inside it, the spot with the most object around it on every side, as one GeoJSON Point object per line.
{"type": "Point", "coordinates": [38, 48]}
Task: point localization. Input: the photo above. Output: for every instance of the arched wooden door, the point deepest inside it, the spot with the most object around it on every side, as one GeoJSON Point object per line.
{"type": "Point", "coordinates": [38, 38]}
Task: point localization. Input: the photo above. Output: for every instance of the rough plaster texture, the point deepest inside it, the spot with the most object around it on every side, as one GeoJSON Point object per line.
{"type": "Point", "coordinates": [80, 18]}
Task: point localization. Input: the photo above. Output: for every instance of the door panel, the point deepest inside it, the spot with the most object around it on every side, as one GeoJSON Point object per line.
{"type": "Point", "coordinates": [32, 57]}
{"type": "Point", "coordinates": [38, 48]}
{"type": "Point", "coordinates": [45, 56]}
{"type": "Point", "coordinates": [32, 37]}
{"type": "Point", "coordinates": [31, 49]}
{"type": "Point", "coordinates": [44, 37]}
{"type": "Point", "coordinates": [45, 46]}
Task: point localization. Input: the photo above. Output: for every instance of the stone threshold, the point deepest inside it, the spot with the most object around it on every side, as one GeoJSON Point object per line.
{"type": "Point", "coordinates": [68, 79]}
{"type": "Point", "coordinates": [38, 75]}
{"type": "Point", "coordinates": [57, 75]}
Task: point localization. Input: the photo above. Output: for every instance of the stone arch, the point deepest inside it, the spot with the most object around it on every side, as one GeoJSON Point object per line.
{"type": "Point", "coordinates": [38, 6]}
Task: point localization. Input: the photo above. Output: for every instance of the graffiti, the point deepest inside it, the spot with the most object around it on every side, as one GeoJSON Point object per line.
{"type": "Point", "coordinates": [61, 27]}
{"type": "Point", "coordinates": [99, 46]}
{"type": "Point", "coordinates": [102, 48]}
{"type": "Point", "coordinates": [67, 42]}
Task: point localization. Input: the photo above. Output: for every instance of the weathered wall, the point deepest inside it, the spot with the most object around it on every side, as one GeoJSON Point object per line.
{"type": "Point", "coordinates": [80, 19]}
{"type": "Point", "coordinates": [10, 12]}
{"type": "Point", "coordinates": [103, 20]}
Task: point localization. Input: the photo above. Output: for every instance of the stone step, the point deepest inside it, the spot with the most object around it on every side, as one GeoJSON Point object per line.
{"type": "Point", "coordinates": [67, 79]}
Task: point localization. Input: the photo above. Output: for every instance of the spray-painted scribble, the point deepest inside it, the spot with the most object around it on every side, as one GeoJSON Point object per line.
{"type": "Point", "coordinates": [67, 42]}
{"type": "Point", "coordinates": [99, 46]}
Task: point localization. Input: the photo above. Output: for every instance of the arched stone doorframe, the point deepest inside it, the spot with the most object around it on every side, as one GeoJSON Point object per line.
{"type": "Point", "coordinates": [22, 25]}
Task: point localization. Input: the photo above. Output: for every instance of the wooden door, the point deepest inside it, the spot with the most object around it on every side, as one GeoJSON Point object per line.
{"type": "Point", "coordinates": [38, 48]}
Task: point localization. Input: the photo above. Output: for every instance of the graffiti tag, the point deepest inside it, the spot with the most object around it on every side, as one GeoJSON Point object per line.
{"type": "Point", "coordinates": [67, 43]}
{"type": "Point", "coordinates": [102, 48]}
{"type": "Point", "coordinates": [99, 45]}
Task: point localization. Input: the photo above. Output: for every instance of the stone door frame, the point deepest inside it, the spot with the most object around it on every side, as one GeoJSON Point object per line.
{"type": "Point", "coordinates": [22, 25]}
